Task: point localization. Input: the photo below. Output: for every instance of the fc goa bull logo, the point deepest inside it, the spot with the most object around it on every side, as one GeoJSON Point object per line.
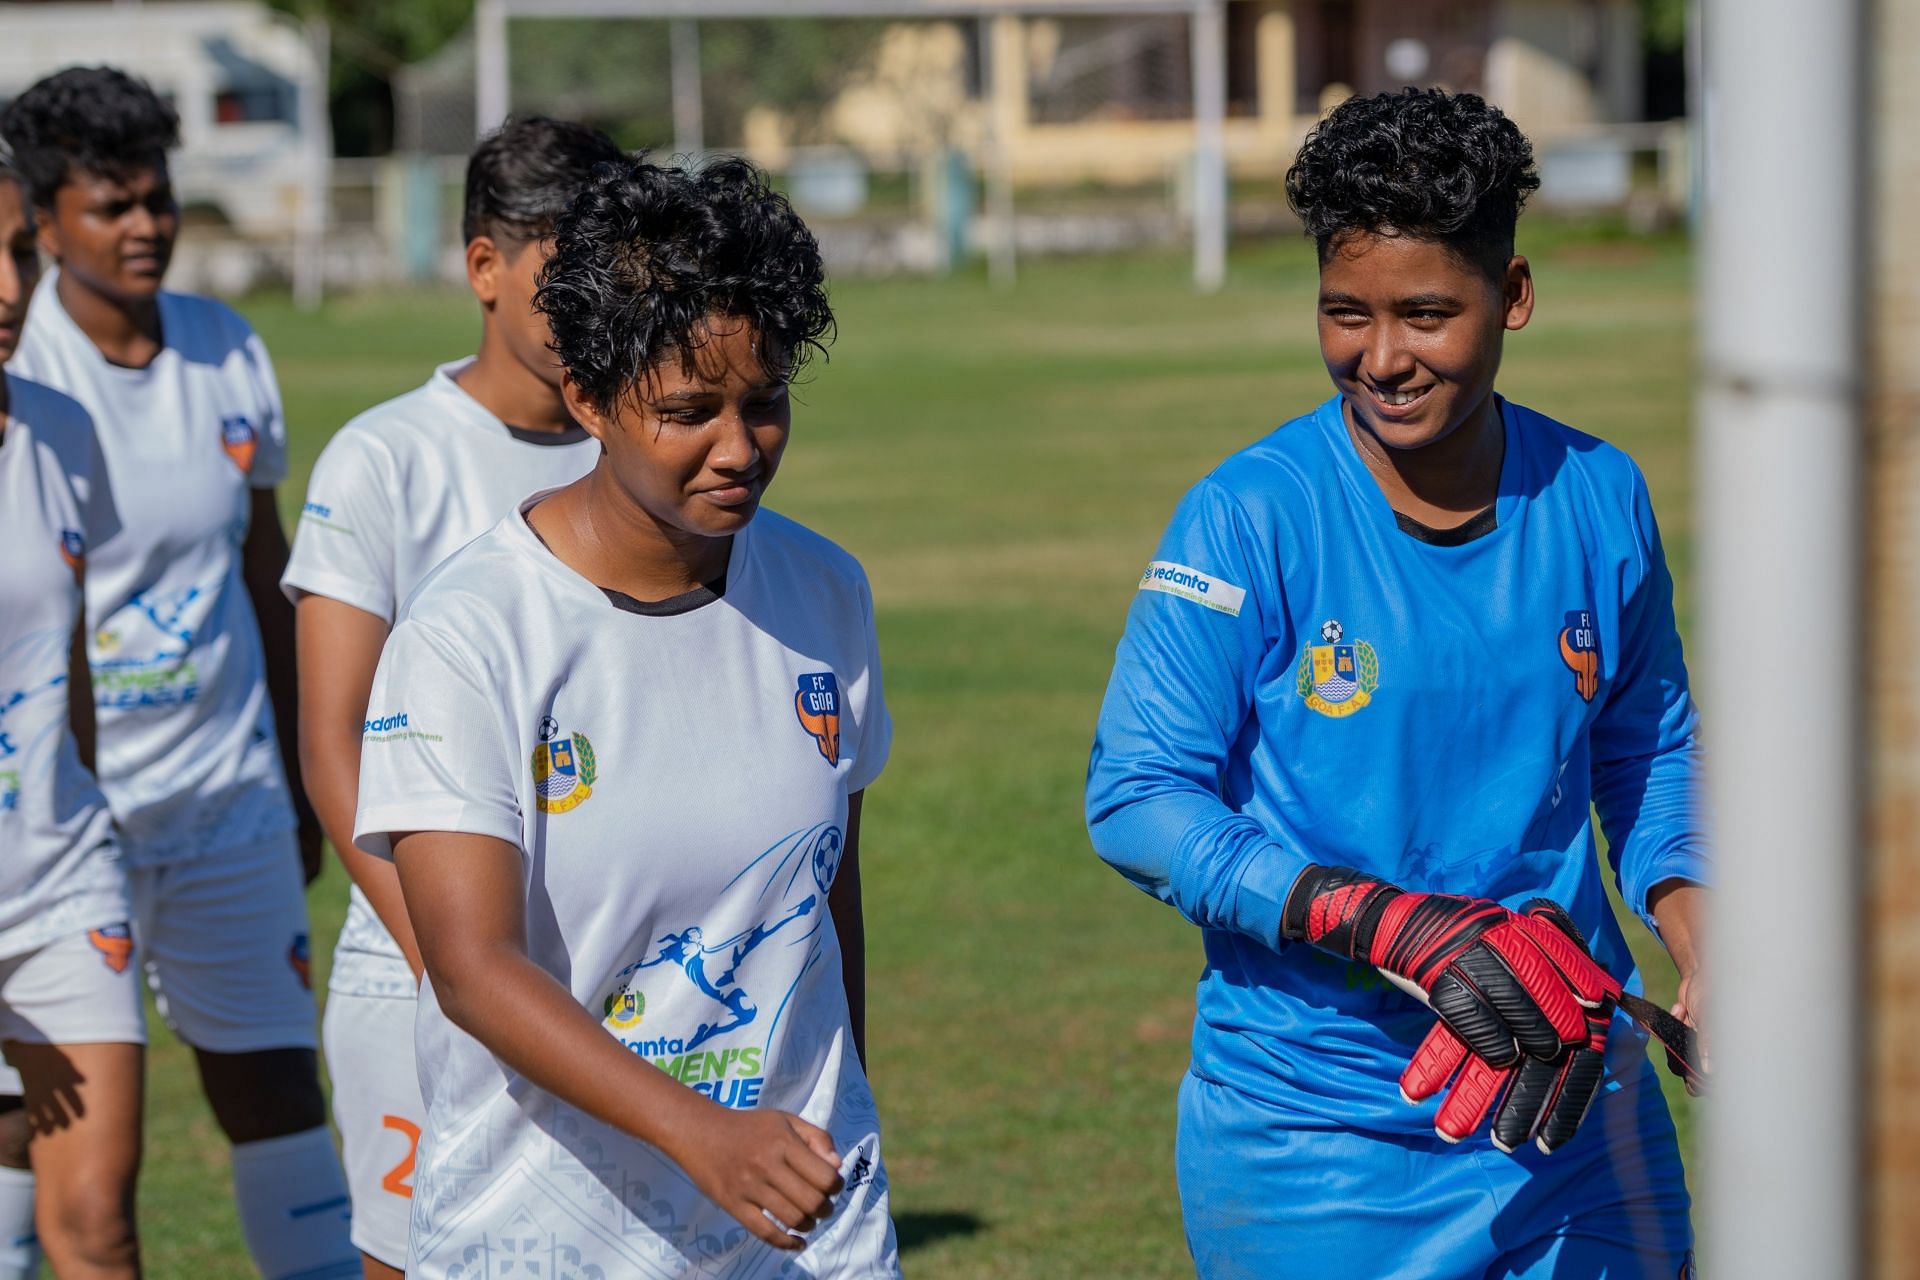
{"type": "Point", "coordinates": [239, 439]}
{"type": "Point", "coordinates": [73, 550]}
{"type": "Point", "coordinates": [817, 703]}
{"type": "Point", "coordinates": [1580, 650]}
{"type": "Point", "coordinates": [114, 942]}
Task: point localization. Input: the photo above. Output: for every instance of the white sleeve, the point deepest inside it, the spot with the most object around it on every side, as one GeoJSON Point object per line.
{"type": "Point", "coordinates": [434, 751]}
{"type": "Point", "coordinates": [869, 705]}
{"type": "Point", "coordinates": [61, 491]}
{"type": "Point", "coordinates": [84, 499]}
{"type": "Point", "coordinates": [343, 541]}
{"type": "Point", "coordinates": [101, 515]}
{"type": "Point", "coordinates": [270, 446]}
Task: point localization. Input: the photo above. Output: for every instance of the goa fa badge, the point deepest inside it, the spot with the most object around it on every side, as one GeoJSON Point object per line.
{"type": "Point", "coordinates": [625, 1008]}
{"type": "Point", "coordinates": [1337, 678]}
{"type": "Point", "coordinates": [563, 771]}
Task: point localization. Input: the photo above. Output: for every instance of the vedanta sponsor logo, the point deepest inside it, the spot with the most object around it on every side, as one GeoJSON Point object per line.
{"type": "Point", "coordinates": [394, 728]}
{"type": "Point", "coordinates": [321, 514]}
{"type": "Point", "coordinates": [1190, 584]}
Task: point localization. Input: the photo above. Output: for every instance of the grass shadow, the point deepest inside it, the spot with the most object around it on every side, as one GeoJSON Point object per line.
{"type": "Point", "coordinates": [917, 1229]}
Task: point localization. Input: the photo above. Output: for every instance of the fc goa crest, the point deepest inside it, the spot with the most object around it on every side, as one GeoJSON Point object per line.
{"type": "Point", "coordinates": [1580, 650]}
{"type": "Point", "coordinates": [1337, 679]}
{"type": "Point", "coordinates": [73, 550]}
{"type": "Point", "coordinates": [114, 942]}
{"type": "Point", "coordinates": [239, 439]}
{"type": "Point", "coordinates": [817, 703]}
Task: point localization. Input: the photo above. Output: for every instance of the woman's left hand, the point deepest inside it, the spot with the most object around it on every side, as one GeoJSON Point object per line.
{"type": "Point", "coordinates": [1679, 908]}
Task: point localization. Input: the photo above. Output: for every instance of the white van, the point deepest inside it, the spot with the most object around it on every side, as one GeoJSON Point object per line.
{"type": "Point", "coordinates": [236, 72]}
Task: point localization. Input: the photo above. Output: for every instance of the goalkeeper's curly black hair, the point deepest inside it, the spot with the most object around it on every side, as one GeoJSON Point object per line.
{"type": "Point", "coordinates": [647, 255]}
{"type": "Point", "coordinates": [97, 120]}
{"type": "Point", "coordinates": [1424, 163]}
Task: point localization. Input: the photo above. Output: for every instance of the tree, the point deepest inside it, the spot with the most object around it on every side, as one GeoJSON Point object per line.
{"type": "Point", "coordinates": [372, 39]}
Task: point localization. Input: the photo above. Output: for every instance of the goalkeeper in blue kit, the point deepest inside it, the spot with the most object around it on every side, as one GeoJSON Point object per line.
{"type": "Point", "coordinates": [1383, 668]}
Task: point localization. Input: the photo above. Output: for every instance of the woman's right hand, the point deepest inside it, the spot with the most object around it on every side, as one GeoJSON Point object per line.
{"type": "Point", "coordinates": [755, 1163]}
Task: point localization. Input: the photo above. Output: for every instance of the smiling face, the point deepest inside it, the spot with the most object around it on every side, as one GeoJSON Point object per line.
{"type": "Point", "coordinates": [695, 449]}
{"type": "Point", "coordinates": [114, 235]}
{"type": "Point", "coordinates": [19, 264]}
{"type": "Point", "coordinates": [1412, 333]}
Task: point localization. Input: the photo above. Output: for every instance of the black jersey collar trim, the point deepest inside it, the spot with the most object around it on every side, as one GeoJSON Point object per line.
{"type": "Point", "coordinates": [1478, 526]}
{"type": "Point", "coordinates": [567, 435]}
{"type": "Point", "coordinates": [672, 606]}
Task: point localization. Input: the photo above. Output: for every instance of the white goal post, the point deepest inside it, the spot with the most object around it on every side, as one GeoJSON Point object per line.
{"type": "Point", "coordinates": [492, 96]}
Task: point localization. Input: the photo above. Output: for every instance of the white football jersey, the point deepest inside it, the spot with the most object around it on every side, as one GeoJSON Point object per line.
{"type": "Point", "coordinates": [399, 489]}
{"type": "Point", "coordinates": [59, 869]}
{"type": "Point", "coordinates": [188, 756]}
{"type": "Point", "coordinates": [677, 776]}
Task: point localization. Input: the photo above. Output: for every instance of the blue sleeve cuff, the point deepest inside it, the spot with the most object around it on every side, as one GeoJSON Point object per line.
{"type": "Point", "coordinates": [1678, 864]}
{"type": "Point", "coordinates": [1271, 872]}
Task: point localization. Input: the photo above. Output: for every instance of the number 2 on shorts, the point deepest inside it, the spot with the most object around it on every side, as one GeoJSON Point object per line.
{"type": "Point", "coordinates": [395, 1179]}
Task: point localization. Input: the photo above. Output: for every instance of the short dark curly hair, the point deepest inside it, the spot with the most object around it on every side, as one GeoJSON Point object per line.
{"type": "Point", "coordinates": [1425, 163]}
{"type": "Point", "coordinates": [523, 175]}
{"type": "Point", "coordinates": [96, 120]}
{"type": "Point", "coordinates": [647, 255]}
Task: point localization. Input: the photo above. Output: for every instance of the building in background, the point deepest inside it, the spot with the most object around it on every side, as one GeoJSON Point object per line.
{"type": "Point", "coordinates": [892, 134]}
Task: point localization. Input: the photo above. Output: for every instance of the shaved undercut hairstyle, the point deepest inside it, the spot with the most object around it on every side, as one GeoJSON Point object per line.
{"type": "Point", "coordinates": [96, 120]}
{"type": "Point", "coordinates": [523, 175]}
{"type": "Point", "coordinates": [648, 254]}
{"type": "Point", "coordinates": [1437, 166]}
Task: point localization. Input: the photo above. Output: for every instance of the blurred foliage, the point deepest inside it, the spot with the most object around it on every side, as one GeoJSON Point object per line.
{"type": "Point", "coordinates": [372, 39]}
{"type": "Point", "coordinates": [1663, 25]}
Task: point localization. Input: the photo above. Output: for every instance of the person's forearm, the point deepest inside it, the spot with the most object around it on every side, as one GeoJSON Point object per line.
{"type": "Point", "coordinates": [262, 560]}
{"type": "Point", "coordinates": [80, 713]}
{"type": "Point", "coordinates": [535, 1026]}
{"type": "Point", "coordinates": [275, 617]}
{"type": "Point", "coordinates": [330, 764]}
{"type": "Point", "coordinates": [849, 926]}
{"type": "Point", "coordinates": [1679, 908]}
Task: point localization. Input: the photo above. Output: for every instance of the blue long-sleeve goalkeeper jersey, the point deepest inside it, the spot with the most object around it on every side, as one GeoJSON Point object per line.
{"type": "Point", "coordinates": [1302, 681]}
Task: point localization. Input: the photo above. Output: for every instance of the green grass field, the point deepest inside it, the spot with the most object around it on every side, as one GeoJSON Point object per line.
{"type": "Point", "coordinates": [1003, 463]}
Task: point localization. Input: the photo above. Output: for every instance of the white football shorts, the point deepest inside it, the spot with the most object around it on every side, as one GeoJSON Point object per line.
{"type": "Point", "coordinates": [224, 937]}
{"type": "Point", "coordinates": [82, 988]}
{"type": "Point", "coordinates": [378, 1109]}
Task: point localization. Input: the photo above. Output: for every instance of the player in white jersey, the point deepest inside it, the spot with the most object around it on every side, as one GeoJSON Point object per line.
{"type": "Point", "coordinates": [70, 1016]}
{"type": "Point", "coordinates": [399, 489]}
{"type": "Point", "coordinates": [192, 642]}
{"type": "Point", "coordinates": [617, 750]}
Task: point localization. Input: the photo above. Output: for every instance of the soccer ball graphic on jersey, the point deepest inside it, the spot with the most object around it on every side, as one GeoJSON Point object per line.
{"type": "Point", "coordinates": [826, 858]}
{"type": "Point", "coordinates": [1331, 631]}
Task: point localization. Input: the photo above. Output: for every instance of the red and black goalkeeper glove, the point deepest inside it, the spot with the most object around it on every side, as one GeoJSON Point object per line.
{"type": "Point", "coordinates": [1507, 985]}
{"type": "Point", "coordinates": [1538, 1099]}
